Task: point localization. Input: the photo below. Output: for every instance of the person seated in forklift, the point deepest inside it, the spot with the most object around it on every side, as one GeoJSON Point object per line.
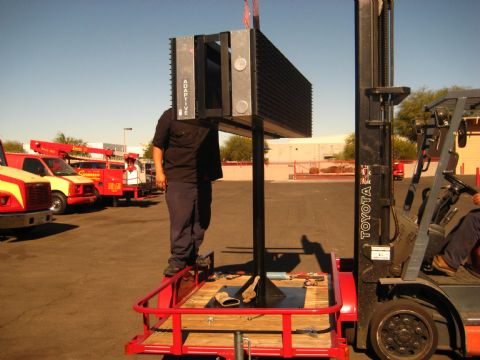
{"type": "Point", "coordinates": [461, 241]}
{"type": "Point", "coordinates": [187, 160]}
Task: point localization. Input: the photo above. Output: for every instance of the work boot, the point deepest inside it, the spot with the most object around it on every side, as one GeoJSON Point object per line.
{"type": "Point", "coordinates": [441, 265]}
{"type": "Point", "coordinates": [171, 270]}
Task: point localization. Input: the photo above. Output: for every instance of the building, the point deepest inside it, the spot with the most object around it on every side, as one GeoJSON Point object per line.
{"type": "Point", "coordinates": [305, 149]}
{"type": "Point", "coordinates": [469, 156]}
{"type": "Point", "coordinates": [117, 147]}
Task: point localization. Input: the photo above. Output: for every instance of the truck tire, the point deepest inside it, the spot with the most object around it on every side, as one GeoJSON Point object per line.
{"type": "Point", "coordinates": [403, 330]}
{"type": "Point", "coordinates": [59, 203]}
{"type": "Point", "coordinates": [115, 201]}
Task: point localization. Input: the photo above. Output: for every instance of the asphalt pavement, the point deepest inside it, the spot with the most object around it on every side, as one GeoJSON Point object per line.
{"type": "Point", "coordinates": [67, 288]}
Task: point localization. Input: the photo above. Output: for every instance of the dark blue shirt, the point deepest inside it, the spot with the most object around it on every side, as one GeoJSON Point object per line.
{"type": "Point", "coordinates": [191, 152]}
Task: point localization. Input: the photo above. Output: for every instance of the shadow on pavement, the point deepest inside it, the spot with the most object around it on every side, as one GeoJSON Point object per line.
{"type": "Point", "coordinates": [314, 248]}
{"type": "Point", "coordinates": [137, 203]}
{"type": "Point", "coordinates": [36, 233]}
{"type": "Point", "coordinates": [126, 204]}
{"type": "Point", "coordinates": [83, 209]}
{"type": "Point", "coordinates": [279, 259]}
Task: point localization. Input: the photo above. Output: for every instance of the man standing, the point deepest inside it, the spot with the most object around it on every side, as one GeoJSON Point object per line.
{"type": "Point", "coordinates": [187, 160]}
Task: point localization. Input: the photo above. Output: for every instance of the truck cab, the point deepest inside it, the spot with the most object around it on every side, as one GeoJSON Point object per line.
{"type": "Point", "coordinates": [68, 188]}
{"type": "Point", "coordinates": [25, 199]}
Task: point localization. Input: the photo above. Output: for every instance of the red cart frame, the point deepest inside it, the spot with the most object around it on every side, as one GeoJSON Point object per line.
{"type": "Point", "coordinates": [171, 295]}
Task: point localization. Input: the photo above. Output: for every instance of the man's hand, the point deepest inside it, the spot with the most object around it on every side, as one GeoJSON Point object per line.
{"type": "Point", "coordinates": [476, 199]}
{"type": "Point", "coordinates": [161, 180]}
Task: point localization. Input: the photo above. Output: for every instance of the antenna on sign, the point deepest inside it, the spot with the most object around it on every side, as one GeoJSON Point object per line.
{"type": "Point", "coordinates": [246, 14]}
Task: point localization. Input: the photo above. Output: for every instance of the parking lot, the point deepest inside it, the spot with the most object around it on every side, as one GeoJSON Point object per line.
{"type": "Point", "coordinates": [67, 289]}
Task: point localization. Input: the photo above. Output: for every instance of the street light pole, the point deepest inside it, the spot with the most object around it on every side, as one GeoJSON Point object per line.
{"type": "Point", "coordinates": [124, 138]}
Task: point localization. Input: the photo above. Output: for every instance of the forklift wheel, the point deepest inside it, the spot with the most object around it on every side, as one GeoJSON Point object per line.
{"type": "Point", "coordinates": [402, 329]}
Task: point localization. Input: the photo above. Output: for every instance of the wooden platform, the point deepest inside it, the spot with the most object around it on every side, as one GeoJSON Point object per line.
{"type": "Point", "coordinates": [262, 330]}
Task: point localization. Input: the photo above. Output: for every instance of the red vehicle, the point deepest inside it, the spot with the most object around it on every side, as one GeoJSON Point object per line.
{"type": "Point", "coordinates": [68, 188]}
{"type": "Point", "coordinates": [25, 199]}
{"type": "Point", "coordinates": [112, 178]}
{"type": "Point", "coordinates": [398, 170]}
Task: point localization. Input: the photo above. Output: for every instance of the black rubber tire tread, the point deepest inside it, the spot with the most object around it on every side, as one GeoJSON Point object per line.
{"type": "Point", "coordinates": [408, 308]}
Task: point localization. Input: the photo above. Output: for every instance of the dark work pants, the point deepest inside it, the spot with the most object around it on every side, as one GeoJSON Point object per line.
{"type": "Point", "coordinates": [462, 239]}
{"type": "Point", "coordinates": [189, 206]}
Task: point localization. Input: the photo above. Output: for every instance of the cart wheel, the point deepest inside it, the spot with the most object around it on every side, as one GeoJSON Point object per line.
{"type": "Point", "coordinates": [402, 329]}
{"type": "Point", "coordinates": [59, 203]}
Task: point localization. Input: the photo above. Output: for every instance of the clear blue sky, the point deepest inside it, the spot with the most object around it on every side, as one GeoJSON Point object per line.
{"type": "Point", "coordinates": [89, 68]}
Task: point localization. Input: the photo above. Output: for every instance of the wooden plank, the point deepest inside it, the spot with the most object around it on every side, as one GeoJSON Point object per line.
{"type": "Point", "coordinates": [248, 322]}
{"type": "Point", "coordinates": [226, 339]}
{"type": "Point", "coordinates": [263, 330]}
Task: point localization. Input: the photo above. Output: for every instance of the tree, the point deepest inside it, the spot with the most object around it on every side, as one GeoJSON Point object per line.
{"type": "Point", "coordinates": [13, 146]}
{"type": "Point", "coordinates": [236, 148]}
{"type": "Point", "coordinates": [412, 108]}
{"type": "Point", "coordinates": [63, 139]}
{"type": "Point", "coordinates": [349, 148]}
{"type": "Point", "coordinates": [148, 151]}
{"type": "Point", "coordinates": [403, 148]}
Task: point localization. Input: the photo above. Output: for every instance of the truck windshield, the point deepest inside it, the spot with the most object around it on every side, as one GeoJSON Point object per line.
{"type": "Point", "coordinates": [3, 159]}
{"type": "Point", "coordinates": [59, 167]}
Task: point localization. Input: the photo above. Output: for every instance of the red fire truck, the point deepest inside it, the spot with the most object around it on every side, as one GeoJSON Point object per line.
{"type": "Point", "coordinates": [113, 179]}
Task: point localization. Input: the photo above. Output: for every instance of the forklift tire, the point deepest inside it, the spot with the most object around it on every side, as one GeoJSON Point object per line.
{"type": "Point", "coordinates": [59, 203]}
{"type": "Point", "coordinates": [402, 329]}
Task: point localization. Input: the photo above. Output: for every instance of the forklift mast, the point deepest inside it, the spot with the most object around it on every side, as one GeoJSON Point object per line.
{"type": "Point", "coordinates": [375, 97]}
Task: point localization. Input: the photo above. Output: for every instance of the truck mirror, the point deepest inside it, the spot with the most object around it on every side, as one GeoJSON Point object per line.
{"type": "Point", "coordinates": [462, 134]}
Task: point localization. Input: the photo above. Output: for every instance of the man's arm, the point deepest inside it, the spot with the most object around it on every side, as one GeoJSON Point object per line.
{"type": "Point", "coordinates": [160, 177]}
{"type": "Point", "coordinates": [160, 141]}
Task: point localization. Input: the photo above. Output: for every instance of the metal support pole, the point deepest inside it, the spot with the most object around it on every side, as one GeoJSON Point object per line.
{"type": "Point", "coordinates": [238, 345]}
{"type": "Point", "coordinates": [266, 292]}
{"type": "Point", "coordinates": [125, 138]}
{"type": "Point", "coordinates": [258, 209]}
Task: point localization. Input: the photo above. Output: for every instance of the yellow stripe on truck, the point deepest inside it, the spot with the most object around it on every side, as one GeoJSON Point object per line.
{"type": "Point", "coordinates": [13, 190]}
{"type": "Point", "coordinates": [58, 184]}
{"type": "Point", "coordinates": [62, 183]}
{"type": "Point", "coordinates": [18, 174]}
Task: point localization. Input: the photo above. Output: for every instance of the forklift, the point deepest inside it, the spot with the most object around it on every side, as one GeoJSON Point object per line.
{"type": "Point", "coordinates": [387, 299]}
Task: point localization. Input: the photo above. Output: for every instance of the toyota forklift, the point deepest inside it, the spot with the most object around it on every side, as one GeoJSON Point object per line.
{"type": "Point", "coordinates": [387, 298]}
